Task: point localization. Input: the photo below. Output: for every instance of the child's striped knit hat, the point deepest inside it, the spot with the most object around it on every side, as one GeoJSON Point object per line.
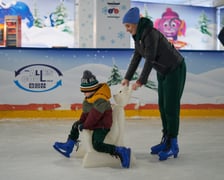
{"type": "Point", "coordinates": [88, 82]}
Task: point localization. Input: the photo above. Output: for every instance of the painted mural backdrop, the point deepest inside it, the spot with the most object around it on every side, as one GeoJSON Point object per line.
{"type": "Point", "coordinates": [187, 27]}
{"type": "Point", "coordinates": [44, 23]}
{"type": "Point", "coordinates": [53, 23]}
{"type": "Point", "coordinates": [172, 26]}
{"type": "Point", "coordinates": [52, 76]}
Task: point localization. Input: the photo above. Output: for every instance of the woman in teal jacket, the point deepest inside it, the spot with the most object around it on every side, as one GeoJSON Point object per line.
{"type": "Point", "coordinates": [169, 64]}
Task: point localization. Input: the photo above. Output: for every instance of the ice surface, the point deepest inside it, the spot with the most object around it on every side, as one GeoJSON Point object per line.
{"type": "Point", "coordinates": [27, 153]}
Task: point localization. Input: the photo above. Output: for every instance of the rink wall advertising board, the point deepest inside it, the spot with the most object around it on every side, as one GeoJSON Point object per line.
{"type": "Point", "coordinates": [109, 30]}
{"type": "Point", "coordinates": [48, 80]}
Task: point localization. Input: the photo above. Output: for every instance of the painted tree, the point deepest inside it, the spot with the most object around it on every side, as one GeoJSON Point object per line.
{"type": "Point", "coordinates": [203, 24]}
{"type": "Point", "coordinates": [135, 76]}
{"type": "Point", "coordinates": [60, 15]}
{"type": "Point", "coordinates": [146, 12]}
{"type": "Point", "coordinates": [150, 84]}
{"type": "Point", "coordinates": [38, 22]}
{"type": "Point", "coordinates": [67, 29]}
{"type": "Point", "coordinates": [115, 77]}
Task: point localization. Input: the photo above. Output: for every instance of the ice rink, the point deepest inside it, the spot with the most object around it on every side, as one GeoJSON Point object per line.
{"type": "Point", "coordinates": [27, 153]}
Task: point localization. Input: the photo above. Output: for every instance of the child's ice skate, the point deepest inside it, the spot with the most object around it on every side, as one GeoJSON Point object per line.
{"type": "Point", "coordinates": [66, 148]}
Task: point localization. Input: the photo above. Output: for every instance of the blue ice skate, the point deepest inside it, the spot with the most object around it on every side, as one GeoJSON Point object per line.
{"type": "Point", "coordinates": [124, 155]}
{"type": "Point", "coordinates": [66, 148]}
{"type": "Point", "coordinates": [171, 149]}
{"type": "Point", "coordinates": [159, 147]}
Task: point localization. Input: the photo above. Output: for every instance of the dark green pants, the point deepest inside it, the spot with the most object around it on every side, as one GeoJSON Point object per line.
{"type": "Point", "coordinates": [97, 139]}
{"type": "Point", "coordinates": [170, 90]}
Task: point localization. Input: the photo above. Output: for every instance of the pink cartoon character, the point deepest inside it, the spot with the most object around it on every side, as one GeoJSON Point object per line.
{"type": "Point", "coordinates": [171, 25]}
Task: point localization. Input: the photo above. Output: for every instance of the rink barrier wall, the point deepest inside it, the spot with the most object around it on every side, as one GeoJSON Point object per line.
{"type": "Point", "coordinates": [131, 111]}
{"type": "Point", "coordinates": [56, 58]}
{"type": "Point", "coordinates": [69, 114]}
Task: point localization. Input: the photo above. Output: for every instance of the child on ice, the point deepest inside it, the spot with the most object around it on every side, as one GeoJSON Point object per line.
{"type": "Point", "coordinates": [96, 116]}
